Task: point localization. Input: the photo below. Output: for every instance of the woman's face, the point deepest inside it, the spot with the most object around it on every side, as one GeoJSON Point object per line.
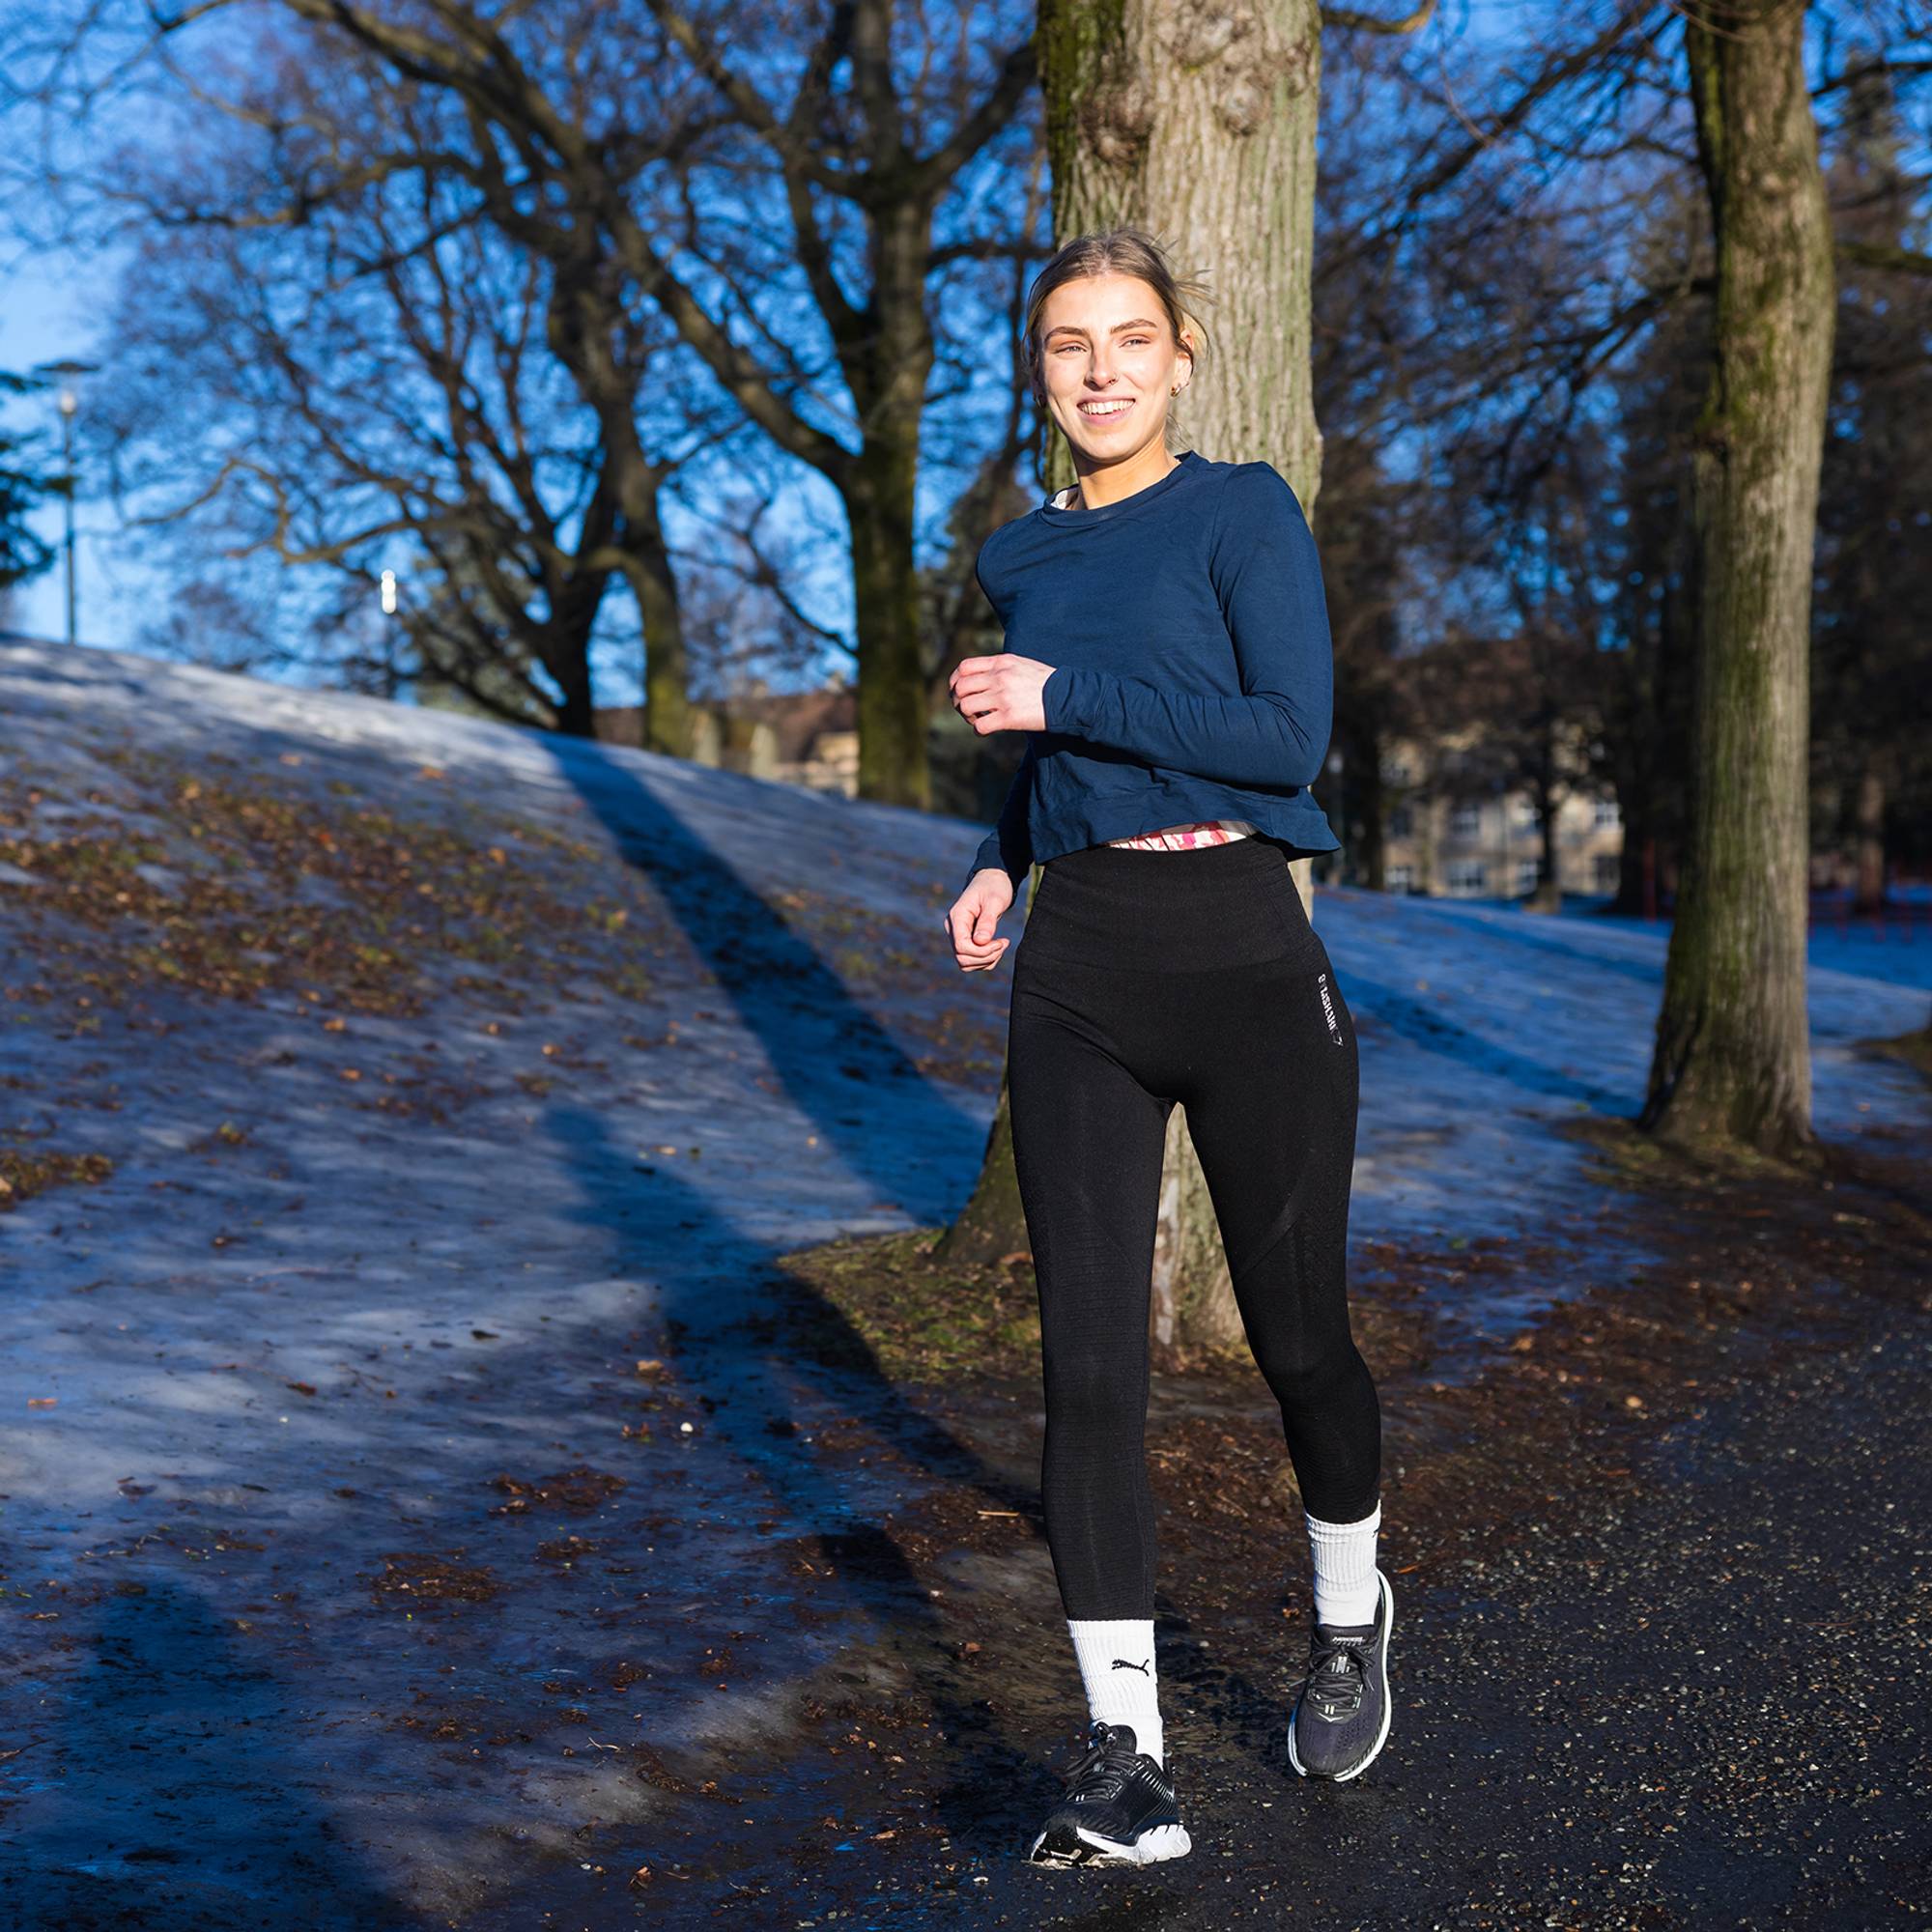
{"type": "Point", "coordinates": [1108, 362]}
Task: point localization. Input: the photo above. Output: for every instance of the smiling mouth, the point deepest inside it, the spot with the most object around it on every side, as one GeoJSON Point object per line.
{"type": "Point", "coordinates": [1105, 412]}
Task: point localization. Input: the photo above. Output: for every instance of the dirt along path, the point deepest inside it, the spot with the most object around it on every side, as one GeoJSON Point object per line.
{"type": "Point", "coordinates": [1662, 1651]}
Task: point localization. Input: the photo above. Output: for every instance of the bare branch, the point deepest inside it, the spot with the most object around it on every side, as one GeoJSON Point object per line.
{"type": "Point", "coordinates": [1882, 255]}
{"type": "Point", "coordinates": [1369, 23]}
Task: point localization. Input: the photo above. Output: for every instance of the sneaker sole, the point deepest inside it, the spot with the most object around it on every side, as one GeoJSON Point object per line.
{"type": "Point", "coordinates": [1388, 1703]}
{"type": "Point", "coordinates": [1066, 1846]}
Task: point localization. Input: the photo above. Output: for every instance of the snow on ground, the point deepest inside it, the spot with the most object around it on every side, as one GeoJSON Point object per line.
{"type": "Point", "coordinates": [362, 1281]}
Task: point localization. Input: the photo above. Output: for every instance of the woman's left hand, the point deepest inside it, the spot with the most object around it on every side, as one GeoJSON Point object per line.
{"type": "Point", "coordinates": [1000, 692]}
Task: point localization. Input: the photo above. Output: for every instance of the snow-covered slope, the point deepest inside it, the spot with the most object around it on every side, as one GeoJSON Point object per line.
{"type": "Point", "coordinates": [439, 1067]}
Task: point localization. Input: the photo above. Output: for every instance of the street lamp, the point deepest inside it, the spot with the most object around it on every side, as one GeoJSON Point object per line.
{"type": "Point", "coordinates": [67, 400]}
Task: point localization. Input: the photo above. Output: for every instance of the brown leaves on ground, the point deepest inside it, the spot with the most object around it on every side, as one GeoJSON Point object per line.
{"type": "Point", "coordinates": [212, 879]}
{"type": "Point", "coordinates": [578, 1488]}
{"type": "Point", "coordinates": [23, 1175]}
{"type": "Point", "coordinates": [412, 1579]}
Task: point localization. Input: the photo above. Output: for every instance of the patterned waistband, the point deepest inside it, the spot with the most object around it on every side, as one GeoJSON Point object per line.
{"type": "Point", "coordinates": [1185, 837]}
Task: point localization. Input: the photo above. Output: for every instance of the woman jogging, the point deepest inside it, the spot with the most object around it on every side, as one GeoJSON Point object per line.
{"type": "Point", "coordinates": [1168, 656]}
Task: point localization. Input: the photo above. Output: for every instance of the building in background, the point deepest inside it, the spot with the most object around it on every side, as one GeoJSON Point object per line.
{"type": "Point", "coordinates": [803, 737]}
{"type": "Point", "coordinates": [1442, 842]}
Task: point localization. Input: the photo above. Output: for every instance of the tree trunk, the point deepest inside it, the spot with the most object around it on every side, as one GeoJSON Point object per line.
{"type": "Point", "coordinates": [1869, 893]}
{"type": "Point", "coordinates": [1732, 1061]}
{"type": "Point", "coordinates": [670, 719]}
{"type": "Point", "coordinates": [894, 719]}
{"type": "Point", "coordinates": [1198, 124]}
{"type": "Point", "coordinates": [992, 1223]}
{"type": "Point", "coordinates": [1548, 894]}
{"type": "Point", "coordinates": [1369, 798]}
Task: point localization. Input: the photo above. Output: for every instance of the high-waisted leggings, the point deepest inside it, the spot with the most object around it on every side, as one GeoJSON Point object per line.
{"type": "Point", "coordinates": [1143, 978]}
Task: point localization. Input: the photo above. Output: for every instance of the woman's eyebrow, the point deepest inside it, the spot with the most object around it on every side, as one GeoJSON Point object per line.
{"type": "Point", "coordinates": [1074, 328]}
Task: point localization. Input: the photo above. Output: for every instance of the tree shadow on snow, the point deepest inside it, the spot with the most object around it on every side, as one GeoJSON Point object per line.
{"type": "Point", "coordinates": [164, 1793]}
{"type": "Point", "coordinates": [858, 1089]}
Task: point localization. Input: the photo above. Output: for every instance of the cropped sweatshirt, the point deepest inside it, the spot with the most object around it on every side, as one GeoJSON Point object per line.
{"type": "Point", "coordinates": [1193, 673]}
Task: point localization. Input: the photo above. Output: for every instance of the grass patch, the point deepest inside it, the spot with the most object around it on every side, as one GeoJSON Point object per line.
{"type": "Point", "coordinates": [881, 1299]}
{"type": "Point", "coordinates": [1915, 1049]}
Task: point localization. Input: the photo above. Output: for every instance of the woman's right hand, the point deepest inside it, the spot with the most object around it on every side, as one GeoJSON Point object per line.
{"type": "Point", "coordinates": [975, 917]}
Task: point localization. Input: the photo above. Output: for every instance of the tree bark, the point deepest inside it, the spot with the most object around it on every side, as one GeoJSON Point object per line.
{"type": "Point", "coordinates": [1197, 123]}
{"type": "Point", "coordinates": [1869, 892]}
{"type": "Point", "coordinates": [993, 1222]}
{"type": "Point", "coordinates": [1732, 1060]}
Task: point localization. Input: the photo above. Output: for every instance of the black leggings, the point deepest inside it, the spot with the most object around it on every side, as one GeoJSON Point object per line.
{"type": "Point", "coordinates": [1143, 978]}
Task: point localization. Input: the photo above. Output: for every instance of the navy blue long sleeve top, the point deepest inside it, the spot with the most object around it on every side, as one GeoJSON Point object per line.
{"type": "Point", "coordinates": [1193, 672]}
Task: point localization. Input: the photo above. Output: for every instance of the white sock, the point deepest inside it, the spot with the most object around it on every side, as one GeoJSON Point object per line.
{"type": "Point", "coordinates": [1116, 1657]}
{"type": "Point", "coordinates": [1346, 1591]}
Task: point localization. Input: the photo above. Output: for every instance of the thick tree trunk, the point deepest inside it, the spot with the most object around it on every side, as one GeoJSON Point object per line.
{"type": "Point", "coordinates": [887, 357]}
{"type": "Point", "coordinates": [567, 659]}
{"type": "Point", "coordinates": [670, 719]}
{"type": "Point", "coordinates": [1732, 1061]}
{"type": "Point", "coordinates": [892, 705]}
{"type": "Point", "coordinates": [1198, 124]}
{"type": "Point", "coordinates": [992, 1223]}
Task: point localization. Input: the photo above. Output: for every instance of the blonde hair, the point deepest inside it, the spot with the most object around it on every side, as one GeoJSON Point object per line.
{"type": "Point", "coordinates": [1123, 251]}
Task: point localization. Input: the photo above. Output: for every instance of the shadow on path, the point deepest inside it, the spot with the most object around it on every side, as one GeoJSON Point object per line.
{"type": "Point", "coordinates": [169, 1796]}
{"type": "Point", "coordinates": [765, 1352]}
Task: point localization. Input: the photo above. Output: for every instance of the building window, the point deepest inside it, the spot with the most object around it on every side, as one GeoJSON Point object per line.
{"type": "Point", "coordinates": [1605, 870]}
{"type": "Point", "coordinates": [1527, 817]}
{"type": "Point", "coordinates": [1607, 816]}
{"type": "Point", "coordinates": [1465, 875]}
{"type": "Point", "coordinates": [1402, 879]}
{"type": "Point", "coordinates": [1527, 871]}
{"type": "Point", "coordinates": [1402, 823]}
{"type": "Point", "coordinates": [1465, 821]}
{"type": "Point", "coordinates": [1395, 772]}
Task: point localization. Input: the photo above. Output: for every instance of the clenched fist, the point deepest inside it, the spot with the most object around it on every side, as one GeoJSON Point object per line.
{"type": "Point", "coordinates": [1000, 692]}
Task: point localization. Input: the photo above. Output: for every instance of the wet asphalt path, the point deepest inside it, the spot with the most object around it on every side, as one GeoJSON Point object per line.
{"type": "Point", "coordinates": [1708, 1706]}
{"type": "Point", "coordinates": [1699, 1700]}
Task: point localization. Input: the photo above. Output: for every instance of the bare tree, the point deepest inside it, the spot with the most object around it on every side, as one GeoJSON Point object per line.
{"type": "Point", "coordinates": [1732, 1062]}
{"type": "Point", "coordinates": [779, 208]}
{"type": "Point", "coordinates": [1871, 681]}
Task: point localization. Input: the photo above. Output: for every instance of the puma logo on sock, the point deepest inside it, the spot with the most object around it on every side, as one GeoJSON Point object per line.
{"type": "Point", "coordinates": [1146, 1669]}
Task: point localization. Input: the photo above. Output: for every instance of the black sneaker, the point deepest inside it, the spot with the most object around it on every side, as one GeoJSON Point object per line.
{"type": "Point", "coordinates": [1341, 1718]}
{"type": "Point", "coordinates": [1119, 1808]}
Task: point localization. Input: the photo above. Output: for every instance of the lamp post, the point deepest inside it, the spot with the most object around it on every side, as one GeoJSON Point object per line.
{"type": "Point", "coordinates": [390, 628]}
{"type": "Point", "coordinates": [67, 400]}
